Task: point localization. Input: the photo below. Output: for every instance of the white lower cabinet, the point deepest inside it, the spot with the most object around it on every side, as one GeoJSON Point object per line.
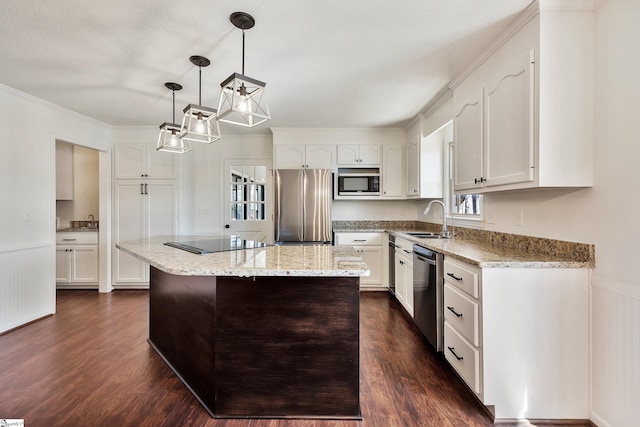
{"type": "Point", "coordinates": [518, 337]}
{"type": "Point", "coordinates": [77, 260]}
{"type": "Point", "coordinates": [141, 209]}
{"type": "Point", "coordinates": [370, 246]}
{"type": "Point", "coordinates": [404, 274]}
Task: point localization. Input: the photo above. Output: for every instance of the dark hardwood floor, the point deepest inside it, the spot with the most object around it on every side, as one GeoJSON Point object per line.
{"type": "Point", "coordinates": [90, 365]}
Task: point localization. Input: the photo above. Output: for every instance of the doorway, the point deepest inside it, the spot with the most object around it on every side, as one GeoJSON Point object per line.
{"type": "Point", "coordinates": [247, 199]}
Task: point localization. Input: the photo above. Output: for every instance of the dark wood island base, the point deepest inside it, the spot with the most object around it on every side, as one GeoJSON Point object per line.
{"type": "Point", "coordinates": [261, 347]}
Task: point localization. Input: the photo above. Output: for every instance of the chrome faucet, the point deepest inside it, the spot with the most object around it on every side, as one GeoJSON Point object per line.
{"type": "Point", "coordinates": [91, 218]}
{"type": "Point", "coordinates": [445, 232]}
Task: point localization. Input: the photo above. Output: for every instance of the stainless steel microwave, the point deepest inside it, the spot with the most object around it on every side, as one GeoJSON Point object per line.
{"type": "Point", "coordinates": [357, 182]}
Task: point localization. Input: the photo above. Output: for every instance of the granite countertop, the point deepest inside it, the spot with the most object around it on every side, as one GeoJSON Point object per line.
{"type": "Point", "coordinates": [73, 230]}
{"type": "Point", "coordinates": [489, 254]}
{"type": "Point", "coordinates": [289, 260]}
{"type": "Point", "coordinates": [492, 255]}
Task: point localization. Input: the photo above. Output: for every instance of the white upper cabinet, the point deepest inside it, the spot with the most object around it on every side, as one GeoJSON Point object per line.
{"type": "Point", "coordinates": [468, 145]}
{"type": "Point", "coordinates": [304, 156]}
{"type": "Point", "coordinates": [424, 159]}
{"type": "Point", "coordinates": [392, 171]}
{"type": "Point", "coordinates": [359, 154]}
{"type": "Point", "coordinates": [509, 107]}
{"type": "Point", "coordinates": [135, 161]}
{"type": "Point", "coordinates": [523, 112]}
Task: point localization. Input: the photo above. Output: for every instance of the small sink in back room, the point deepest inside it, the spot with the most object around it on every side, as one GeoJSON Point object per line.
{"type": "Point", "coordinates": [424, 234]}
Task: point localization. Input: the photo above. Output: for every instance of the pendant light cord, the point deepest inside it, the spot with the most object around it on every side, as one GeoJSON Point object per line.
{"type": "Point", "coordinates": [243, 51]}
{"type": "Point", "coordinates": [174, 106]}
{"type": "Point", "coordinates": [200, 86]}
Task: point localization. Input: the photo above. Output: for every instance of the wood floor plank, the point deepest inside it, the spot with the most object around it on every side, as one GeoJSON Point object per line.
{"type": "Point", "coordinates": [90, 365]}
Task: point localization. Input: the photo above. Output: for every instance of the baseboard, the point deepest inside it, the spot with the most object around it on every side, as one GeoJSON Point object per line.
{"type": "Point", "coordinates": [543, 421]}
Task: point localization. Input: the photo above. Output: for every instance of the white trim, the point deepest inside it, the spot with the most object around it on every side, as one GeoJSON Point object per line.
{"type": "Point", "coordinates": [527, 15]}
{"type": "Point", "coordinates": [25, 247]}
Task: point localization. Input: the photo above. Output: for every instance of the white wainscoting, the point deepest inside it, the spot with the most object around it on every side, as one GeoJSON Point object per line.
{"type": "Point", "coordinates": [615, 353]}
{"type": "Point", "coordinates": [27, 284]}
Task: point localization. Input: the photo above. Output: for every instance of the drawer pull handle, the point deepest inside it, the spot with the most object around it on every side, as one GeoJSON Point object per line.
{"type": "Point", "coordinates": [454, 276]}
{"type": "Point", "coordinates": [68, 240]}
{"type": "Point", "coordinates": [359, 240]}
{"type": "Point", "coordinates": [451, 309]}
{"type": "Point", "coordinates": [407, 251]}
{"type": "Point", "coordinates": [451, 349]}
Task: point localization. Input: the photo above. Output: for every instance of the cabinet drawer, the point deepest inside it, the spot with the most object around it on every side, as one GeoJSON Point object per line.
{"type": "Point", "coordinates": [359, 239]}
{"type": "Point", "coordinates": [464, 358]}
{"type": "Point", "coordinates": [462, 313]}
{"type": "Point", "coordinates": [76, 238]}
{"type": "Point", "coordinates": [463, 276]}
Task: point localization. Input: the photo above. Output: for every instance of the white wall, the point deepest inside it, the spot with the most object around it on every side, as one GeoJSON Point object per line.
{"type": "Point", "coordinates": [201, 172]}
{"type": "Point", "coordinates": [27, 208]}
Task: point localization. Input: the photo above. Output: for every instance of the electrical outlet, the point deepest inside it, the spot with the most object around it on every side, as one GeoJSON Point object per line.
{"type": "Point", "coordinates": [203, 210]}
{"type": "Point", "coordinates": [490, 217]}
{"type": "Point", "coordinates": [402, 212]}
{"type": "Point", "coordinates": [520, 219]}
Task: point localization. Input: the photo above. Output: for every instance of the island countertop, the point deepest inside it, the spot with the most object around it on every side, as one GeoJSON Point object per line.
{"type": "Point", "coordinates": [285, 260]}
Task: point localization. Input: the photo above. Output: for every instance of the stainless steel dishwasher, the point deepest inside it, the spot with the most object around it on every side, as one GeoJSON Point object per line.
{"type": "Point", "coordinates": [428, 293]}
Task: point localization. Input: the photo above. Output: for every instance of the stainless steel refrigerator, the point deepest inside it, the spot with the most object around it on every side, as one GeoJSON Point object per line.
{"type": "Point", "coordinates": [303, 205]}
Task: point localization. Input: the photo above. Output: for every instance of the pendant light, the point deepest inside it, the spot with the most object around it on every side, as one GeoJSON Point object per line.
{"type": "Point", "coordinates": [242, 100]}
{"type": "Point", "coordinates": [200, 123]}
{"type": "Point", "coordinates": [169, 139]}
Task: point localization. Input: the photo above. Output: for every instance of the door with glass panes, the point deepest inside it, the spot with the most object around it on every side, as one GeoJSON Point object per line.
{"type": "Point", "coordinates": [247, 199]}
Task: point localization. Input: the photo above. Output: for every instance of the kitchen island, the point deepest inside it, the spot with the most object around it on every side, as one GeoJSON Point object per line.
{"type": "Point", "coordinates": [268, 332]}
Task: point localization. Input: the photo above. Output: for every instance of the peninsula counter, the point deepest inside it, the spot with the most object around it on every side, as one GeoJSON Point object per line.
{"type": "Point", "coordinates": [258, 333]}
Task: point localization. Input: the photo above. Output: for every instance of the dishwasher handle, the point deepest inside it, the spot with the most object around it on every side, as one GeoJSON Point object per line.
{"type": "Point", "coordinates": [427, 260]}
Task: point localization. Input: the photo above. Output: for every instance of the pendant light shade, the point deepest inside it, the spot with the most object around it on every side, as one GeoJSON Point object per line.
{"type": "Point", "coordinates": [242, 101]}
{"type": "Point", "coordinates": [169, 139]}
{"type": "Point", "coordinates": [200, 123]}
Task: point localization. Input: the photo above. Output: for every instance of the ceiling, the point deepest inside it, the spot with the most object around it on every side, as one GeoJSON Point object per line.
{"type": "Point", "coordinates": [327, 63]}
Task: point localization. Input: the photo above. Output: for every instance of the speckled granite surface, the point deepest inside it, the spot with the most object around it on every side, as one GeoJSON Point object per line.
{"type": "Point", "coordinates": [290, 260]}
{"type": "Point", "coordinates": [488, 248]}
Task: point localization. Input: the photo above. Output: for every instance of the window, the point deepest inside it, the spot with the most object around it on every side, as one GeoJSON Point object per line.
{"type": "Point", "coordinates": [461, 206]}
{"type": "Point", "coordinates": [248, 199]}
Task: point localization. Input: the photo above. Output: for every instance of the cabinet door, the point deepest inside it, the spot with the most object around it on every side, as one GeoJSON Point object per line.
{"type": "Point", "coordinates": [161, 208]}
{"type": "Point", "coordinates": [413, 172]}
{"type": "Point", "coordinates": [373, 256]}
{"type": "Point", "coordinates": [467, 133]}
{"type": "Point", "coordinates": [129, 224]}
{"type": "Point", "coordinates": [85, 264]}
{"type": "Point", "coordinates": [320, 156]}
{"type": "Point", "coordinates": [348, 154]}
{"type": "Point", "coordinates": [408, 288]}
{"type": "Point", "coordinates": [392, 170]}
{"type": "Point", "coordinates": [289, 157]}
{"type": "Point", "coordinates": [63, 264]}
{"type": "Point", "coordinates": [129, 161]}
{"type": "Point", "coordinates": [370, 154]}
{"type": "Point", "coordinates": [509, 115]}
{"type": "Point", "coordinates": [400, 279]}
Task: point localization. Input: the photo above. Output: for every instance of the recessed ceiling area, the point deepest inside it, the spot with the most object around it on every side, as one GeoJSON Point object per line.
{"type": "Point", "coordinates": [356, 63]}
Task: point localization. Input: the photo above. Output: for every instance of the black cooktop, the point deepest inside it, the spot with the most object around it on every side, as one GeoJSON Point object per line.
{"type": "Point", "coordinates": [219, 244]}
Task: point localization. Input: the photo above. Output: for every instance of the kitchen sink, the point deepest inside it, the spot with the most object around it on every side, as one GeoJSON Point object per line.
{"type": "Point", "coordinates": [424, 234]}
